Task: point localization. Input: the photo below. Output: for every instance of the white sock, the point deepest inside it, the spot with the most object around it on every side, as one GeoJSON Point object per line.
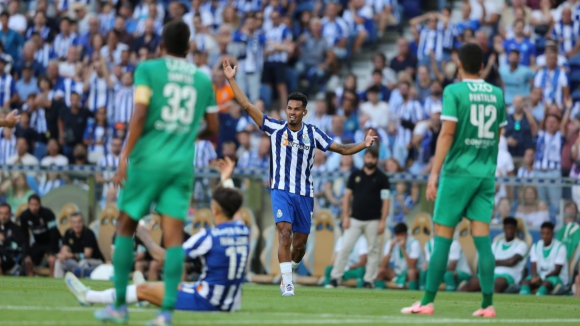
{"type": "Point", "coordinates": [295, 266]}
{"type": "Point", "coordinates": [108, 296]}
{"type": "Point", "coordinates": [286, 270]}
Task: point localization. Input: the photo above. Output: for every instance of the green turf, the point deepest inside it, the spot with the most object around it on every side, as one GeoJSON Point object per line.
{"type": "Point", "coordinates": [42, 301]}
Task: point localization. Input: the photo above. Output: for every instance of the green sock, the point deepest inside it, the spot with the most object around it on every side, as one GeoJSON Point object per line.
{"type": "Point", "coordinates": [437, 267]}
{"type": "Point", "coordinates": [486, 266]}
{"type": "Point", "coordinates": [525, 290]}
{"type": "Point", "coordinates": [122, 264]}
{"type": "Point", "coordinates": [380, 285]}
{"type": "Point", "coordinates": [172, 269]}
{"type": "Point", "coordinates": [422, 280]}
{"type": "Point", "coordinates": [450, 282]}
{"type": "Point", "coordinates": [542, 291]}
{"type": "Point", "coordinates": [413, 285]}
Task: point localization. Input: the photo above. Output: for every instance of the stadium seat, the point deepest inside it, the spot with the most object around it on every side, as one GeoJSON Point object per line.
{"type": "Point", "coordinates": [268, 258]}
{"type": "Point", "coordinates": [21, 208]}
{"type": "Point", "coordinates": [467, 245]}
{"type": "Point", "coordinates": [64, 217]}
{"type": "Point", "coordinates": [247, 216]}
{"type": "Point", "coordinates": [107, 223]}
{"type": "Point", "coordinates": [422, 228]}
{"type": "Point", "coordinates": [201, 220]}
{"type": "Point", "coordinates": [320, 249]}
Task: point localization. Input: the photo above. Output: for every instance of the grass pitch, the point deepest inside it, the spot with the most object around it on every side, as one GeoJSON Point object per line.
{"type": "Point", "coordinates": [46, 302]}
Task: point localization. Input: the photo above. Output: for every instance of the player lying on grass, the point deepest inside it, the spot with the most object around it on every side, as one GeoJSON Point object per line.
{"type": "Point", "coordinates": [224, 249]}
{"type": "Point", "coordinates": [509, 254]}
{"type": "Point", "coordinates": [293, 145]}
{"type": "Point", "coordinates": [549, 264]}
{"type": "Point", "coordinates": [473, 114]}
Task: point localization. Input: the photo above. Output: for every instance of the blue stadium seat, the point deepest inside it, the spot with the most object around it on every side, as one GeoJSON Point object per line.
{"type": "Point", "coordinates": [574, 63]}
{"type": "Point", "coordinates": [411, 8]}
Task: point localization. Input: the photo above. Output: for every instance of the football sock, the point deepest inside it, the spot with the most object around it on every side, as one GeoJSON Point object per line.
{"type": "Point", "coordinates": [380, 284]}
{"type": "Point", "coordinates": [486, 265]}
{"type": "Point", "coordinates": [413, 285]}
{"type": "Point", "coordinates": [437, 268]}
{"type": "Point", "coordinates": [172, 270]}
{"type": "Point", "coordinates": [525, 290]}
{"type": "Point", "coordinates": [286, 270]}
{"type": "Point", "coordinates": [450, 282]}
{"type": "Point", "coordinates": [542, 291]}
{"type": "Point", "coordinates": [295, 266]}
{"type": "Point", "coordinates": [108, 296]}
{"type": "Point", "coordinates": [422, 280]}
{"type": "Point", "coordinates": [122, 264]}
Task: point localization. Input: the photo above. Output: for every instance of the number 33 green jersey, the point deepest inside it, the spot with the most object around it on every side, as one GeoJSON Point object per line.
{"type": "Point", "coordinates": [479, 110]}
{"type": "Point", "coordinates": [178, 96]}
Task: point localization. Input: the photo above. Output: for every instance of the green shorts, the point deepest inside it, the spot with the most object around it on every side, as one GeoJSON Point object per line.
{"type": "Point", "coordinates": [508, 278]}
{"type": "Point", "coordinates": [459, 197]}
{"type": "Point", "coordinates": [170, 192]}
{"type": "Point", "coordinates": [554, 280]}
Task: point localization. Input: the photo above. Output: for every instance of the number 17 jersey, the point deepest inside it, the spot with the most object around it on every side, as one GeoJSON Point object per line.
{"type": "Point", "coordinates": [178, 95]}
{"type": "Point", "coordinates": [479, 110]}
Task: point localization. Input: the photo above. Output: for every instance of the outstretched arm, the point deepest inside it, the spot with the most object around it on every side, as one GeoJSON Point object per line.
{"type": "Point", "coordinates": [253, 111]}
{"type": "Point", "coordinates": [11, 119]}
{"type": "Point", "coordinates": [351, 149]}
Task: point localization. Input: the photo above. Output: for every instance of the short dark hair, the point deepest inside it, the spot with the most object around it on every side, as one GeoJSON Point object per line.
{"type": "Point", "coordinates": [229, 199]}
{"type": "Point", "coordinates": [401, 228]}
{"type": "Point", "coordinates": [34, 197]}
{"type": "Point", "coordinates": [373, 89]}
{"type": "Point", "coordinates": [510, 221]}
{"type": "Point", "coordinates": [5, 13]}
{"type": "Point", "coordinates": [76, 214]}
{"type": "Point", "coordinates": [377, 72]}
{"type": "Point", "coordinates": [6, 205]}
{"type": "Point", "coordinates": [471, 57]}
{"type": "Point", "coordinates": [554, 116]}
{"type": "Point", "coordinates": [372, 151]}
{"type": "Point", "coordinates": [297, 96]}
{"type": "Point", "coordinates": [176, 37]}
{"type": "Point", "coordinates": [548, 225]}
{"type": "Point", "coordinates": [516, 51]}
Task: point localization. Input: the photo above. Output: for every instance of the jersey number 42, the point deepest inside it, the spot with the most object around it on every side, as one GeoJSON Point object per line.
{"type": "Point", "coordinates": [477, 117]}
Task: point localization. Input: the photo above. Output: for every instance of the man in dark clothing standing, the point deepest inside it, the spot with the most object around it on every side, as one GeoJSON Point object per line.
{"type": "Point", "coordinates": [369, 189]}
{"type": "Point", "coordinates": [11, 240]}
{"type": "Point", "coordinates": [40, 221]}
{"type": "Point", "coordinates": [72, 124]}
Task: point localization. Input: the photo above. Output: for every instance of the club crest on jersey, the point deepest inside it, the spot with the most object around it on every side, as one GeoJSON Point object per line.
{"type": "Point", "coordinates": [357, 179]}
{"type": "Point", "coordinates": [306, 139]}
{"type": "Point", "coordinates": [279, 214]}
{"type": "Point", "coordinates": [285, 139]}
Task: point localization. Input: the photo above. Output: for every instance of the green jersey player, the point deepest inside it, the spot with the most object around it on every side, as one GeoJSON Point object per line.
{"type": "Point", "coordinates": [171, 98]}
{"type": "Point", "coordinates": [473, 113]}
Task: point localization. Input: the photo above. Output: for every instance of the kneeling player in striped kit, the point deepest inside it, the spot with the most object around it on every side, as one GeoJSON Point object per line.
{"type": "Point", "coordinates": [225, 250]}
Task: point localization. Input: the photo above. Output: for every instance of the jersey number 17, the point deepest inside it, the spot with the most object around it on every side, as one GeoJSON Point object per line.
{"type": "Point", "coordinates": [236, 268]}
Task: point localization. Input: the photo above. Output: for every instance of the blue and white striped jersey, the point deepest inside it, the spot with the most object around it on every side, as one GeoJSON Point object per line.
{"type": "Point", "coordinates": [431, 40]}
{"type": "Point", "coordinates": [224, 252]}
{"type": "Point", "coordinates": [204, 154]}
{"type": "Point", "coordinates": [44, 55]}
{"type": "Point", "coordinates": [278, 34]}
{"type": "Point", "coordinates": [43, 32]}
{"type": "Point", "coordinates": [62, 43]}
{"type": "Point", "coordinates": [552, 82]}
{"type": "Point", "coordinates": [7, 146]}
{"type": "Point", "coordinates": [66, 4]}
{"type": "Point", "coordinates": [100, 95]}
{"type": "Point", "coordinates": [67, 87]}
{"type": "Point", "coordinates": [7, 88]}
{"type": "Point", "coordinates": [106, 22]}
{"type": "Point", "coordinates": [410, 111]}
{"type": "Point", "coordinates": [566, 35]}
{"type": "Point", "coordinates": [246, 6]}
{"type": "Point", "coordinates": [379, 5]}
{"type": "Point", "coordinates": [292, 155]}
{"type": "Point", "coordinates": [334, 31]}
{"type": "Point", "coordinates": [112, 161]}
{"type": "Point", "coordinates": [123, 104]}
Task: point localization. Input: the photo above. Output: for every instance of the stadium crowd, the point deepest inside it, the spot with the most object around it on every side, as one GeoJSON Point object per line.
{"type": "Point", "coordinates": [67, 66]}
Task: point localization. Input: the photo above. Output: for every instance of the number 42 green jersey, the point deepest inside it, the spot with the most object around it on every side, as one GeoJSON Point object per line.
{"type": "Point", "coordinates": [178, 95]}
{"type": "Point", "coordinates": [479, 110]}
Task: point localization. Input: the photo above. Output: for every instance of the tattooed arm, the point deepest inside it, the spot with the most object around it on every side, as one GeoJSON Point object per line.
{"type": "Point", "coordinates": [351, 149]}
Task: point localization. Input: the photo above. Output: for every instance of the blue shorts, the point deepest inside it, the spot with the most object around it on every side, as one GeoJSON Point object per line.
{"type": "Point", "coordinates": [189, 299]}
{"type": "Point", "coordinates": [294, 209]}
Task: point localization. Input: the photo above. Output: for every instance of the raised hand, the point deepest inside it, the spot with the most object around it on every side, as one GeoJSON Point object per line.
{"type": "Point", "coordinates": [226, 168]}
{"type": "Point", "coordinates": [229, 72]}
{"type": "Point", "coordinates": [11, 119]}
{"type": "Point", "coordinates": [370, 139]}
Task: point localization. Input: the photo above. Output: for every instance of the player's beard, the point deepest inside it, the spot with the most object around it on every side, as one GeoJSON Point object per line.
{"type": "Point", "coordinates": [371, 166]}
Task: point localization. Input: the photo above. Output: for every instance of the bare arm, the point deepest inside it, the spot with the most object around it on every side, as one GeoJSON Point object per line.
{"type": "Point", "coordinates": [153, 248]}
{"type": "Point", "coordinates": [532, 122]}
{"type": "Point", "coordinates": [510, 262]}
{"type": "Point", "coordinates": [253, 111]}
{"type": "Point", "coordinates": [136, 129]}
{"type": "Point", "coordinates": [11, 119]}
{"type": "Point", "coordinates": [556, 271]}
{"type": "Point", "coordinates": [351, 149]}
{"type": "Point", "coordinates": [88, 253]}
{"type": "Point", "coordinates": [443, 145]}
{"type": "Point", "coordinates": [361, 263]}
{"type": "Point", "coordinates": [534, 270]}
{"type": "Point", "coordinates": [385, 210]}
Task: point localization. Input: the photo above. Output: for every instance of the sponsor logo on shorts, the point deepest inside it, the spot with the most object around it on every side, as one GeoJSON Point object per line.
{"type": "Point", "coordinates": [279, 214]}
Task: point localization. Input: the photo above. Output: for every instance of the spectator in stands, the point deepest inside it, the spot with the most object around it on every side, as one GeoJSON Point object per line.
{"type": "Point", "coordinates": [521, 129]}
{"type": "Point", "coordinates": [83, 18]}
{"type": "Point", "coordinates": [458, 269]}
{"type": "Point", "coordinates": [99, 84]}
{"type": "Point", "coordinates": [79, 249]}
{"type": "Point", "coordinates": [543, 15]}
{"type": "Point", "coordinates": [106, 17]}
{"type": "Point", "coordinates": [405, 253]}
{"type": "Point", "coordinates": [40, 222]}
{"type": "Point", "coordinates": [567, 34]}
{"type": "Point", "coordinates": [65, 39]}
{"type": "Point", "coordinates": [549, 264]}
{"type": "Point", "coordinates": [509, 252]}
{"type": "Point", "coordinates": [22, 156]}
{"type": "Point", "coordinates": [314, 61]}
{"type": "Point", "coordinates": [553, 81]}
{"type": "Point", "coordinates": [508, 14]}
{"type": "Point", "coordinates": [517, 79]}
{"type": "Point", "coordinates": [252, 41]}
{"type": "Point", "coordinates": [124, 100]}
{"type": "Point", "coordinates": [335, 189]}
{"type": "Point", "coordinates": [27, 84]}
{"type": "Point", "coordinates": [402, 203]}
{"type": "Point", "coordinates": [243, 137]}
{"type": "Point", "coordinates": [424, 141]}
{"type": "Point", "coordinates": [536, 105]}
{"type": "Point", "coordinates": [126, 14]}
{"type": "Point", "coordinates": [24, 130]}
{"type": "Point", "coordinates": [389, 75]}
{"type": "Point", "coordinates": [8, 93]}
{"type": "Point", "coordinates": [7, 144]}
{"type": "Point", "coordinates": [113, 49]}
{"type": "Point", "coordinates": [321, 118]}
{"type": "Point", "coordinates": [17, 21]}
{"type": "Point", "coordinates": [86, 36]}
{"type": "Point", "coordinates": [532, 210]}
{"type": "Point", "coordinates": [72, 124]}
{"type": "Point", "coordinates": [408, 113]}
{"type": "Point", "coordinates": [11, 241]}
{"type": "Point", "coordinates": [569, 233]}
{"type": "Point", "coordinates": [384, 93]}
{"type": "Point", "coordinates": [223, 90]}
{"type": "Point", "coordinates": [278, 45]}
{"type": "Point", "coordinates": [405, 60]}
{"type": "Point", "coordinates": [39, 27]}
{"type": "Point", "coordinates": [12, 41]}
{"type": "Point", "coordinates": [527, 50]}
{"type": "Point", "coordinates": [430, 36]}
{"type": "Point", "coordinates": [148, 39]}
{"type": "Point", "coordinates": [335, 30]}
{"type": "Point", "coordinates": [53, 155]}
{"type": "Point", "coordinates": [377, 110]}
{"type": "Point", "coordinates": [467, 22]}
{"type": "Point", "coordinates": [354, 267]}
{"type": "Point", "coordinates": [28, 58]}
{"type": "Point", "coordinates": [547, 163]}
{"type": "Point", "coordinates": [423, 83]}
{"type": "Point", "coordinates": [359, 18]}
{"type": "Point", "coordinates": [319, 184]}
{"type": "Point", "coordinates": [502, 211]}
{"type": "Point", "coordinates": [97, 136]}
{"type": "Point", "coordinates": [505, 168]}
{"type": "Point", "coordinates": [69, 68]}
{"type": "Point", "coordinates": [17, 190]}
